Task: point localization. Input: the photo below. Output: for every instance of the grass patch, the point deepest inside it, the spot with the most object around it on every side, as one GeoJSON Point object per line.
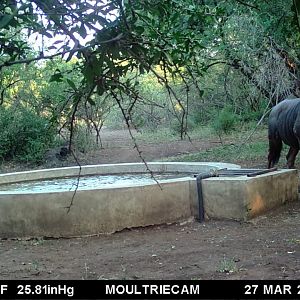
{"type": "Point", "coordinates": [164, 134]}
{"type": "Point", "coordinates": [167, 134]}
{"type": "Point", "coordinates": [248, 155]}
{"type": "Point", "coordinates": [252, 153]}
{"type": "Point", "coordinates": [202, 132]}
{"type": "Point", "coordinates": [160, 135]}
{"type": "Point", "coordinates": [255, 151]}
{"type": "Point", "coordinates": [234, 149]}
{"type": "Point", "coordinates": [227, 266]}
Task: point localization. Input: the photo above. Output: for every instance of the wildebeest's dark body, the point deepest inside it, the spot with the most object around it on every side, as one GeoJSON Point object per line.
{"type": "Point", "coordinates": [284, 126]}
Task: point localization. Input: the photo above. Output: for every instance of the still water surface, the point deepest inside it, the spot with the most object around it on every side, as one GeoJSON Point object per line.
{"type": "Point", "coordinates": [86, 182]}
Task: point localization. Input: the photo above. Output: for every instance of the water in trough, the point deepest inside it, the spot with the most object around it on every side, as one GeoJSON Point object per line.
{"type": "Point", "coordinates": [86, 182]}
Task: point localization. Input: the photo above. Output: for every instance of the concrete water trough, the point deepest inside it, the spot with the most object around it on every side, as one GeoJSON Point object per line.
{"type": "Point", "coordinates": [30, 211]}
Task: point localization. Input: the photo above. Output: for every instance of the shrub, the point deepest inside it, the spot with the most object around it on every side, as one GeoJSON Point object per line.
{"type": "Point", "coordinates": [84, 140]}
{"type": "Point", "coordinates": [225, 121]}
{"type": "Point", "coordinates": [24, 135]}
{"type": "Point", "coordinates": [251, 116]}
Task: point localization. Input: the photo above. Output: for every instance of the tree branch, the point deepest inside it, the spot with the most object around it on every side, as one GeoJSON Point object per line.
{"type": "Point", "coordinates": [247, 4]}
{"type": "Point", "coordinates": [74, 50]}
{"type": "Point", "coordinates": [40, 57]}
{"type": "Point", "coordinates": [7, 87]}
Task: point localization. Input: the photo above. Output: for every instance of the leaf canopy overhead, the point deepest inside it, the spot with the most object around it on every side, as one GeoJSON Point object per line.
{"type": "Point", "coordinates": [116, 41]}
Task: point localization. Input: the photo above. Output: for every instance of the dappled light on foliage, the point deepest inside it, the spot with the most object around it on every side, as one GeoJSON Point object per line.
{"type": "Point", "coordinates": [84, 65]}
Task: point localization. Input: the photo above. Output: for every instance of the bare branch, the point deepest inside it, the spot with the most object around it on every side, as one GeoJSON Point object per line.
{"type": "Point", "coordinates": [7, 87]}
{"type": "Point", "coordinates": [40, 57]}
{"type": "Point", "coordinates": [136, 146]}
{"type": "Point", "coordinates": [249, 5]}
{"type": "Point", "coordinates": [62, 53]}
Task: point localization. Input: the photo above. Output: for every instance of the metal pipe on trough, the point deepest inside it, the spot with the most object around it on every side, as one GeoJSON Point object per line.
{"type": "Point", "coordinates": [199, 178]}
{"type": "Point", "coordinates": [265, 171]}
{"type": "Point", "coordinates": [225, 173]}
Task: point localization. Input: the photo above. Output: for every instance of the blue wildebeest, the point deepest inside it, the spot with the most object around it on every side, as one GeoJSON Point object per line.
{"type": "Point", "coordinates": [284, 126]}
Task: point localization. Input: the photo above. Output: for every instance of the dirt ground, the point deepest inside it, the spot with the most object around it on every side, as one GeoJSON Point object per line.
{"type": "Point", "coordinates": [267, 247]}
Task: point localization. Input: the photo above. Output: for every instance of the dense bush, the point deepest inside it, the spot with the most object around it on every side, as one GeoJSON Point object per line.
{"type": "Point", "coordinates": [225, 121]}
{"type": "Point", "coordinates": [24, 135]}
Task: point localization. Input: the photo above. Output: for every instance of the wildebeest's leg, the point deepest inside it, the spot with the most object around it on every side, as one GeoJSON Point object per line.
{"type": "Point", "coordinates": [291, 156]}
{"type": "Point", "coordinates": [275, 146]}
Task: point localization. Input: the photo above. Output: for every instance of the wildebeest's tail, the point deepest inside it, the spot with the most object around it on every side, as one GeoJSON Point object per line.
{"type": "Point", "coordinates": [275, 146]}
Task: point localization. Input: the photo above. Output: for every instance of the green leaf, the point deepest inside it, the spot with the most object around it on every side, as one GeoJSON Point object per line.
{"type": "Point", "coordinates": [57, 77]}
{"type": "Point", "coordinates": [5, 19]}
{"type": "Point", "coordinates": [71, 84]}
{"type": "Point", "coordinates": [100, 89]}
{"type": "Point", "coordinates": [47, 34]}
{"type": "Point", "coordinates": [82, 31]}
{"type": "Point", "coordinates": [139, 29]}
{"type": "Point", "coordinates": [91, 101]}
{"type": "Point", "coordinates": [88, 73]}
{"type": "Point", "coordinates": [58, 42]}
{"type": "Point", "coordinates": [296, 9]}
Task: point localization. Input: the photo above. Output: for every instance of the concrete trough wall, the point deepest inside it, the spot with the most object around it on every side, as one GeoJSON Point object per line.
{"type": "Point", "coordinates": [107, 210]}
{"type": "Point", "coordinates": [93, 211]}
{"type": "Point", "coordinates": [242, 198]}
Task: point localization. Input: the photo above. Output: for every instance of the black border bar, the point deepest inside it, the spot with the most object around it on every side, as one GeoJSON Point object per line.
{"type": "Point", "coordinates": [150, 289]}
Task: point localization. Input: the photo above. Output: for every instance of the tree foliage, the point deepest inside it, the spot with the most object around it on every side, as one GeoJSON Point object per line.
{"type": "Point", "coordinates": [199, 51]}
